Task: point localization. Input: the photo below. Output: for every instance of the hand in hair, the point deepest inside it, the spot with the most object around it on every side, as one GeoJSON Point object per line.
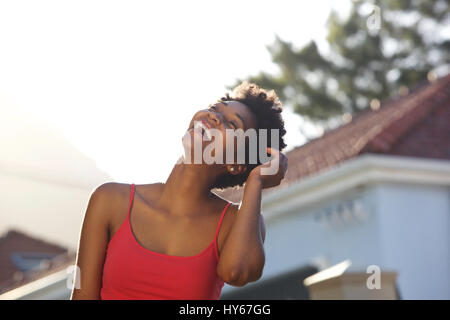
{"type": "Point", "coordinates": [279, 161]}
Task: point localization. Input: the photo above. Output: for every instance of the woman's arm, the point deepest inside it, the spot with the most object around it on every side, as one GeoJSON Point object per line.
{"type": "Point", "coordinates": [242, 258]}
{"type": "Point", "coordinates": [93, 242]}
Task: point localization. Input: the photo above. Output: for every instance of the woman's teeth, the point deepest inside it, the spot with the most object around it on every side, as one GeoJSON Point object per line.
{"type": "Point", "coordinates": [200, 127]}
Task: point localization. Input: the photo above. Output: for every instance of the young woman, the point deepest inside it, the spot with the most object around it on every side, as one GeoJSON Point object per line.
{"type": "Point", "coordinates": [178, 240]}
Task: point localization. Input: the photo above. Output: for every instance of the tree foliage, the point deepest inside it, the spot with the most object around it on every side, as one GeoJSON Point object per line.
{"type": "Point", "coordinates": [366, 60]}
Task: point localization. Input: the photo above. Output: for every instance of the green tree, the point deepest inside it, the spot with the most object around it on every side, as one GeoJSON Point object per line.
{"type": "Point", "coordinates": [377, 52]}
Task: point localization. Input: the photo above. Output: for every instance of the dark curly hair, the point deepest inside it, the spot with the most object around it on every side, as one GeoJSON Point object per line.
{"type": "Point", "coordinates": [267, 108]}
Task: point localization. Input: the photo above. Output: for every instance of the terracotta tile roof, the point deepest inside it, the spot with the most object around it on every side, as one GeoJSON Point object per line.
{"type": "Point", "coordinates": [18, 253]}
{"type": "Point", "coordinates": [415, 125]}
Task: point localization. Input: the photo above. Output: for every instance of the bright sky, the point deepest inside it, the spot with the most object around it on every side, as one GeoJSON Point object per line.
{"type": "Point", "coordinates": [122, 79]}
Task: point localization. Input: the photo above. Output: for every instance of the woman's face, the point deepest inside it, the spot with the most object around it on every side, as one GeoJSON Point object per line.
{"type": "Point", "coordinates": [219, 116]}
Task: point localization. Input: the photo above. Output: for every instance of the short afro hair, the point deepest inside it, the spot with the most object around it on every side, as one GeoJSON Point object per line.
{"type": "Point", "coordinates": [267, 108]}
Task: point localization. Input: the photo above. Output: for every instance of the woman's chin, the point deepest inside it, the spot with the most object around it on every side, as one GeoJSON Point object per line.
{"type": "Point", "coordinates": [193, 138]}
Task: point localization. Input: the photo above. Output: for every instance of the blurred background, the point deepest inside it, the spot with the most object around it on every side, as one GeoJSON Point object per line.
{"type": "Point", "coordinates": [96, 91]}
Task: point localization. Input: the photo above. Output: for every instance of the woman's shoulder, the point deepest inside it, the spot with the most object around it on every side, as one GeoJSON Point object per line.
{"type": "Point", "coordinates": [109, 197]}
{"type": "Point", "coordinates": [113, 198]}
{"type": "Point", "coordinates": [116, 193]}
{"type": "Point", "coordinates": [110, 190]}
{"type": "Point", "coordinates": [222, 203]}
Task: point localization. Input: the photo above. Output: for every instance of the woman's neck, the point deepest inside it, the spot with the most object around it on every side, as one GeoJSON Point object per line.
{"type": "Point", "coordinates": [186, 187]}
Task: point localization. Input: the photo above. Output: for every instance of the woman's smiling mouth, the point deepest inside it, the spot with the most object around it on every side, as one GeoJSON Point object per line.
{"type": "Point", "coordinates": [203, 127]}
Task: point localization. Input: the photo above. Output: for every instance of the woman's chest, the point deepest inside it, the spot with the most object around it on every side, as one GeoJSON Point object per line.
{"type": "Point", "coordinates": [160, 233]}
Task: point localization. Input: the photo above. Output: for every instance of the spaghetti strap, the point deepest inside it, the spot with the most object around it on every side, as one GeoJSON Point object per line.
{"type": "Point", "coordinates": [220, 221]}
{"type": "Point", "coordinates": [131, 200]}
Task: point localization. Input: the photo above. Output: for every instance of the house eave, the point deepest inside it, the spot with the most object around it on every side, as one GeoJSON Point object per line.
{"type": "Point", "coordinates": [360, 171]}
{"type": "Point", "coordinates": [54, 281]}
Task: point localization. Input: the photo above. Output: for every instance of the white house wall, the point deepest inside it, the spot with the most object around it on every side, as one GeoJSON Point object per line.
{"type": "Point", "coordinates": [415, 238]}
{"type": "Point", "coordinates": [389, 211]}
{"type": "Point", "coordinates": [326, 234]}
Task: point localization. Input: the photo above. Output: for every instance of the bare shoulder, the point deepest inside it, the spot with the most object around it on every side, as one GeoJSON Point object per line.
{"type": "Point", "coordinates": [110, 194]}
{"type": "Point", "coordinates": [222, 202]}
{"type": "Point", "coordinates": [108, 200]}
{"type": "Point", "coordinates": [233, 208]}
{"type": "Point", "coordinates": [110, 187]}
{"type": "Point", "coordinates": [115, 196]}
{"type": "Point", "coordinates": [232, 213]}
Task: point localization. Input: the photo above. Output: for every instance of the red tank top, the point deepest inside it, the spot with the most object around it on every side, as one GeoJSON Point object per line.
{"type": "Point", "coordinates": [132, 272]}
